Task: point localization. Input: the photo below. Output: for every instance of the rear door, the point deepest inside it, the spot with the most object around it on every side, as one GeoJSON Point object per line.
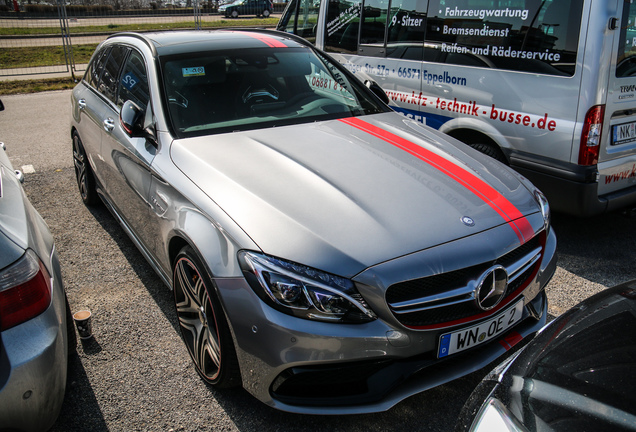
{"type": "Point", "coordinates": [617, 161]}
{"type": "Point", "coordinates": [89, 110]}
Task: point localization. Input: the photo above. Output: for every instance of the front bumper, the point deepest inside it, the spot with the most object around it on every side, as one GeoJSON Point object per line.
{"type": "Point", "coordinates": [303, 366]}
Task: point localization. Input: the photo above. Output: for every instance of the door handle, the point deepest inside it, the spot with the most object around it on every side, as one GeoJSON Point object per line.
{"type": "Point", "coordinates": [81, 104]}
{"type": "Point", "coordinates": [109, 124]}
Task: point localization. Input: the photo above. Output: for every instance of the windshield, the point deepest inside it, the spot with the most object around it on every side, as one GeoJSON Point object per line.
{"type": "Point", "coordinates": [216, 92]}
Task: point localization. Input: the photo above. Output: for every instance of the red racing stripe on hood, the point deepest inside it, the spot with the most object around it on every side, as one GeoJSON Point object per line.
{"type": "Point", "coordinates": [515, 219]}
{"type": "Point", "coordinates": [268, 40]}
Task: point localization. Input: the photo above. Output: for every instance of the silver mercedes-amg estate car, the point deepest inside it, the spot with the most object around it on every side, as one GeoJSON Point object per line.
{"type": "Point", "coordinates": [326, 253]}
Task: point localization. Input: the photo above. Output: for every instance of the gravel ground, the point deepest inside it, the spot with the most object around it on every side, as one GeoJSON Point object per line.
{"type": "Point", "coordinates": [136, 375]}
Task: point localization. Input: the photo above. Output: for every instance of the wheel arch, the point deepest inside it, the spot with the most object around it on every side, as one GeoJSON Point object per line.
{"type": "Point", "coordinates": [467, 128]}
{"type": "Point", "coordinates": [471, 132]}
{"type": "Point", "coordinates": [216, 249]}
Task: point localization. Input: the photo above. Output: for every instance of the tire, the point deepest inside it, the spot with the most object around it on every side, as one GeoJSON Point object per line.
{"type": "Point", "coordinates": [204, 328]}
{"type": "Point", "coordinates": [266, 13]}
{"type": "Point", "coordinates": [83, 173]}
{"type": "Point", "coordinates": [234, 14]}
{"type": "Point", "coordinates": [490, 150]}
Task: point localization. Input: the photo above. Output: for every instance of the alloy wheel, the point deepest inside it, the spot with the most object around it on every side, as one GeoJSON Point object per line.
{"type": "Point", "coordinates": [197, 319]}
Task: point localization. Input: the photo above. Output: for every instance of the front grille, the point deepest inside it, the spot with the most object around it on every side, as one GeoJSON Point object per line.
{"type": "Point", "coordinates": [437, 301]}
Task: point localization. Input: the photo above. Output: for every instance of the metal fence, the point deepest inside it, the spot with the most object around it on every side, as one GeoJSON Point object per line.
{"type": "Point", "coordinates": [38, 37]}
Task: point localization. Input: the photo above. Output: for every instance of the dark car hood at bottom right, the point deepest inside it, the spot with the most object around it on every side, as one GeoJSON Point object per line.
{"type": "Point", "coordinates": [578, 374]}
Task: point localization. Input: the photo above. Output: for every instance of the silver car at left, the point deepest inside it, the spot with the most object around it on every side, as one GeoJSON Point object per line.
{"type": "Point", "coordinates": [34, 342]}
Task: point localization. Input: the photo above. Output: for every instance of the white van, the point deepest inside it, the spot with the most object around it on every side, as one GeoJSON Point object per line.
{"type": "Point", "coordinates": [547, 86]}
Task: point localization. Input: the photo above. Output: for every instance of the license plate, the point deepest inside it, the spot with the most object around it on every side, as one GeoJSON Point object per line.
{"type": "Point", "coordinates": [624, 133]}
{"type": "Point", "coordinates": [460, 340]}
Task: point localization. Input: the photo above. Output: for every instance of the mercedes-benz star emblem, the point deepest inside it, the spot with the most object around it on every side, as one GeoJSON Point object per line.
{"type": "Point", "coordinates": [491, 287]}
{"type": "Point", "coordinates": [467, 221]}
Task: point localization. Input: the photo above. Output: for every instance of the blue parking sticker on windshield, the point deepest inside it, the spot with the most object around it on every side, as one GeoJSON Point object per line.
{"type": "Point", "coordinates": [129, 80]}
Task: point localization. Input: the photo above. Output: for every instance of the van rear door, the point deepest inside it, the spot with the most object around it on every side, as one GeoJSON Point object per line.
{"type": "Point", "coordinates": [617, 157]}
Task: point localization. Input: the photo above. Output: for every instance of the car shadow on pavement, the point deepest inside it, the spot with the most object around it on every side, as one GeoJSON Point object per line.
{"type": "Point", "coordinates": [159, 292]}
{"type": "Point", "coordinates": [611, 260]}
{"type": "Point", "coordinates": [80, 401]}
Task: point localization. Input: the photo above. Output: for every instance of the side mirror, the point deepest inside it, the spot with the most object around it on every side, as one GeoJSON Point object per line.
{"type": "Point", "coordinates": [1, 106]}
{"type": "Point", "coordinates": [377, 90]}
{"type": "Point", "coordinates": [132, 119]}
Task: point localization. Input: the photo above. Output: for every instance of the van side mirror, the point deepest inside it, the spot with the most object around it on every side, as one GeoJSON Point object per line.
{"type": "Point", "coordinates": [377, 90]}
{"type": "Point", "coordinates": [133, 120]}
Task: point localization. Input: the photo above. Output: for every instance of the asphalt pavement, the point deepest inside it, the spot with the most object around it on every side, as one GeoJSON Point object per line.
{"type": "Point", "coordinates": [136, 375]}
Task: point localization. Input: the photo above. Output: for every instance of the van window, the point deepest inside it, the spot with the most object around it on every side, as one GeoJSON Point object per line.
{"type": "Point", "coordinates": [373, 25]}
{"type": "Point", "coordinates": [343, 22]}
{"type": "Point", "coordinates": [301, 19]}
{"type": "Point", "coordinates": [406, 29]}
{"type": "Point", "coordinates": [626, 61]}
{"type": "Point", "coordinates": [538, 36]}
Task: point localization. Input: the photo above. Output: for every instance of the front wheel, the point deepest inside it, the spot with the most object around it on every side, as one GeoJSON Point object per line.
{"type": "Point", "coordinates": [235, 14]}
{"type": "Point", "coordinates": [203, 325]}
{"type": "Point", "coordinates": [266, 13]}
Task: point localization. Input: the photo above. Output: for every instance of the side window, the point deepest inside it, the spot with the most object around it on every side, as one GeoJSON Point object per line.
{"type": "Point", "coordinates": [133, 84]}
{"type": "Point", "coordinates": [405, 35]}
{"type": "Point", "coordinates": [301, 19]}
{"type": "Point", "coordinates": [94, 71]}
{"type": "Point", "coordinates": [109, 81]}
{"type": "Point", "coordinates": [538, 36]}
{"type": "Point", "coordinates": [342, 26]}
{"type": "Point", "coordinates": [391, 28]}
{"type": "Point", "coordinates": [626, 61]}
{"type": "Point", "coordinates": [373, 25]}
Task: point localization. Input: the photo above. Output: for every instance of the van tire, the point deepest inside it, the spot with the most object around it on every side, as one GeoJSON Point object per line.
{"type": "Point", "coordinates": [490, 150]}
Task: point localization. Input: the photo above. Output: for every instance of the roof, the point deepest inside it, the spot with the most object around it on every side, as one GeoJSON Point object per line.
{"type": "Point", "coordinates": [184, 41]}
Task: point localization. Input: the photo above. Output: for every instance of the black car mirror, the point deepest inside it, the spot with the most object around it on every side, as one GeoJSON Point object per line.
{"type": "Point", "coordinates": [377, 90]}
{"type": "Point", "coordinates": [1, 106]}
{"type": "Point", "coordinates": [133, 120]}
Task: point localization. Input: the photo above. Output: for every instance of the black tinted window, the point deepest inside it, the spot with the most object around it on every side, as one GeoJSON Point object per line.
{"type": "Point", "coordinates": [626, 61]}
{"type": "Point", "coordinates": [133, 83]}
{"type": "Point", "coordinates": [109, 81]}
{"type": "Point", "coordinates": [95, 69]}
{"type": "Point", "coordinates": [342, 26]}
{"type": "Point", "coordinates": [527, 35]}
{"type": "Point", "coordinates": [539, 36]}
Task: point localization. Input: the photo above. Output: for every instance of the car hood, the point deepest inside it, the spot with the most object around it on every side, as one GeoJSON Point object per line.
{"type": "Point", "coordinates": [343, 195]}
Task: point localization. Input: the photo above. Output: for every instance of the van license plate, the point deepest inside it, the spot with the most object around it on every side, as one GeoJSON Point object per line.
{"type": "Point", "coordinates": [624, 133]}
{"type": "Point", "coordinates": [451, 343]}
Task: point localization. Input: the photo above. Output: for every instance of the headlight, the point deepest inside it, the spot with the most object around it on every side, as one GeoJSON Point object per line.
{"type": "Point", "coordinates": [494, 416]}
{"type": "Point", "coordinates": [545, 207]}
{"type": "Point", "coordinates": [302, 291]}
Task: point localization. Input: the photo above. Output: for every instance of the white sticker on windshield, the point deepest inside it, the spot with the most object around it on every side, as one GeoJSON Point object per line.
{"type": "Point", "coordinates": [193, 71]}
